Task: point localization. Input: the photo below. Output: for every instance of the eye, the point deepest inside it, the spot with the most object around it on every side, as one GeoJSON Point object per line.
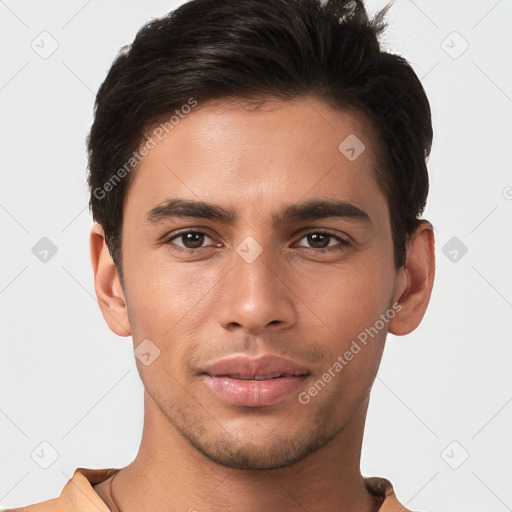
{"type": "Point", "coordinates": [320, 240]}
{"type": "Point", "coordinates": [189, 239]}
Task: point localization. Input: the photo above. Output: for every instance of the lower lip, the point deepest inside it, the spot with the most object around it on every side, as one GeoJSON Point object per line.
{"type": "Point", "coordinates": [253, 393]}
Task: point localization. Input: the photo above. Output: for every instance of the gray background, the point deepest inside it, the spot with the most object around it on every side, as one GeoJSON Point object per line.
{"type": "Point", "coordinates": [443, 393]}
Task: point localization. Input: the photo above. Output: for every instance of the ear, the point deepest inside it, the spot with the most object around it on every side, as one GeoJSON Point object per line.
{"type": "Point", "coordinates": [415, 280]}
{"type": "Point", "coordinates": [108, 288]}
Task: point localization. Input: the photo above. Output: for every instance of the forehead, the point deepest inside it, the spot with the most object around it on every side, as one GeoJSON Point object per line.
{"type": "Point", "coordinates": [235, 154]}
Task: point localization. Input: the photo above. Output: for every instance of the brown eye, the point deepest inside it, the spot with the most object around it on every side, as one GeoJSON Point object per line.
{"type": "Point", "coordinates": [320, 240]}
{"type": "Point", "coordinates": [190, 239]}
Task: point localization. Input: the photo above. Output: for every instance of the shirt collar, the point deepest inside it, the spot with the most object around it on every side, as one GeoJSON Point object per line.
{"type": "Point", "coordinates": [79, 493]}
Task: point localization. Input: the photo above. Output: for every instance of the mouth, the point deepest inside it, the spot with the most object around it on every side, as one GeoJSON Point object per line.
{"type": "Point", "coordinates": [254, 382]}
{"type": "Point", "coordinates": [261, 377]}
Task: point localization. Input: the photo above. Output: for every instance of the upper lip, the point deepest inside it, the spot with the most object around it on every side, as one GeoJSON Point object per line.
{"type": "Point", "coordinates": [246, 367]}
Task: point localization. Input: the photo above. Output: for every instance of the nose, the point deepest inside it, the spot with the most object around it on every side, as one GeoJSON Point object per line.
{"type": "Point", "coordinates": [255, 295]}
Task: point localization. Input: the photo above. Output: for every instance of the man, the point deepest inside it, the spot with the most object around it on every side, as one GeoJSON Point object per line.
{"type": "Point", "coordinates": [257, 175]}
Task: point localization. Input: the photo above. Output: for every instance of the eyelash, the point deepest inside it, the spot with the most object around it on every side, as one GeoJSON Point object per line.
{"type": "Point", "coordinates": [342, 245]}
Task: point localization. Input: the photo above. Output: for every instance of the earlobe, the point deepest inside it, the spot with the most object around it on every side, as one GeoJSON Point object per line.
{"type": "Point", "coordinates": [415, 281]}
{"type": "Point", "coordinates": [108, 288]}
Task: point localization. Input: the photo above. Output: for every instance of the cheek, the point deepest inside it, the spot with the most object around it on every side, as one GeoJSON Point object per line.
{"type": "Point", "coordinates": [165, 302]}
{"type": "Point", "coordinates": [350, 303]}
{"type": "Point", "coordinates": [162, 294]}
{"type": "Point", "coordinates": [348, 298]}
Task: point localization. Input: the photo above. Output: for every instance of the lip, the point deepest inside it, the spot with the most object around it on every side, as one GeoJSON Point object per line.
{"type": "Point", "coordinates": [254, 382]}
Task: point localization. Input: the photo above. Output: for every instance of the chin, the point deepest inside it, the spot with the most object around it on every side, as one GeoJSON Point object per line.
{"type": "Point", "coordinates": [271, 452]}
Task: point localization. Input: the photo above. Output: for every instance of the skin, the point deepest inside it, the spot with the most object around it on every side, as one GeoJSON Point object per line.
{"type": "Point", "coordinates": [198, 451]}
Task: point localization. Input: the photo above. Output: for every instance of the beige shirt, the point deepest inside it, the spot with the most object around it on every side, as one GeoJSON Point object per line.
{"type": "Point", "coordinates": [78, 494]}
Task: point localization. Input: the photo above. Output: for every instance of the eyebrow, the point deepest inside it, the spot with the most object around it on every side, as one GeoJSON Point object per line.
{"type": "Point", "coordinates": [308, 210]}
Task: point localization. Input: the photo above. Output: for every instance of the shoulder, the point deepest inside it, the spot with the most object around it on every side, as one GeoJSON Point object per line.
{"type": "Point", "coordinates": [383, 488]}
{"type": "Point", "coordinates": [77, 495]}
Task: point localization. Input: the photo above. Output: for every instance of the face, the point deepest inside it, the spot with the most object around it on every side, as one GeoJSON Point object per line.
{"type": "Point", "coordinates": [256, 257]}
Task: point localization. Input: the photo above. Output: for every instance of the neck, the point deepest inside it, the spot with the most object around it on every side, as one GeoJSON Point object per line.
{"type": "Point", "coordinates": [170, 474]}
